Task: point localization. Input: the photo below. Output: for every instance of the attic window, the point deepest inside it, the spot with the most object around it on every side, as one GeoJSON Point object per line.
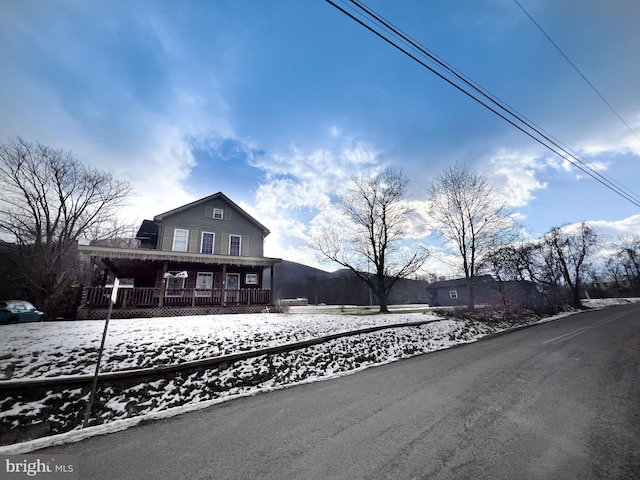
{"type": "Point", "coordinates": [216, 213]}
{"type": "Point", "coordinates": [453, 294]}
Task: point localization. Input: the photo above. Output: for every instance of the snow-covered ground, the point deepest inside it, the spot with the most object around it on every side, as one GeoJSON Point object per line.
{"type": "Point", "coordinates": [48, 349]}
{"type": "Point", "coordinates": [70, 348]}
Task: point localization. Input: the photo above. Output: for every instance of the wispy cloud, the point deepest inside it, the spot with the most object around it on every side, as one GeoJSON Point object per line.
{"type": "Point", "coordinates": [308, 179]}
{"type": "Point", "coordinates": [618, 140]}
{"type": "Point", "coordinates": [515, 176]}
{"type": "Point", "coordinates": [299, 189]}
{"type": "Point", "coordinates": [613, 229]}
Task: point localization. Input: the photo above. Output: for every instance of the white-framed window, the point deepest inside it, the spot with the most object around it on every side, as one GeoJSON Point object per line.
{"type": "Point", "coordinates": [216, 213]}
{"type": "Point", "coordinates": [251, 278]}
{"type": "Point", "coordinates": [235, 245]}
{"type": "Point", "coordinates": [204, 281]}
{"type": "Point", "coordinates": [453, 294]}
{"type": "Point", "coordinates": [180, 240]}
{"type": "Point", "coordinates": [207, 242]}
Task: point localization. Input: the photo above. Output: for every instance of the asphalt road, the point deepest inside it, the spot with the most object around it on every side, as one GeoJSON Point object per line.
{"type": "Point", "coordinates": [556, 401]}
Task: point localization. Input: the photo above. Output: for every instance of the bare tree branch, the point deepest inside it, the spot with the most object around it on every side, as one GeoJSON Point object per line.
{"type": "Point", "coordinates": [569, 254]}
{"type": "Point", "coordinates": [471, 218]}
{"type": "Point", "coordinates": [368, 242]}
{"type": "Point", "coordinates": [48, 200]}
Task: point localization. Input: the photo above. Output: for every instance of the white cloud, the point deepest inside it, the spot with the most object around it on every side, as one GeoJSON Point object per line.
{"type": "Point", "coordinates": [418, 227]}
{"type": "Point", "coordinates": [287, 193]}
{"type": "Point", "coordinates": [619, 140]}
{"type": "Point", "coordinates": [442, 263]}
{"type": "Point", "coordinates": [514, 175]}
{"type": "Point", "coordinates": [612, 230]}
{"type": "Point", "coordinates": [160, 174]}
{"type": "Point", "coordinates": [300, 179]}
{"type": "Point", "coordinates": [557, 163]}
{"type": "Point", "coordinates": [597, 167]}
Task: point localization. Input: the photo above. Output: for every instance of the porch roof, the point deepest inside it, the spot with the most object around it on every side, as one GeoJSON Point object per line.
{"type": "Point", "coordinates": [114, 253]}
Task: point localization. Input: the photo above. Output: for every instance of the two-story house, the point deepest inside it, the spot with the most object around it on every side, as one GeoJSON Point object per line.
{"type": "Point", "coordinates": [203, 257]}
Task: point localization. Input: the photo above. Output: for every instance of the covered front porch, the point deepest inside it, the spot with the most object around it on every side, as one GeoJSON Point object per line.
{"type": "Point", "coordinates": [97, 297]}
{"type": "Point", "coordinates": [174, 283]}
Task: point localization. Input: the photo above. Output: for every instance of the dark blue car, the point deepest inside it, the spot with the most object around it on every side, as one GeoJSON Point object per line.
{"type": "Point", "coordinates": [14, 311]}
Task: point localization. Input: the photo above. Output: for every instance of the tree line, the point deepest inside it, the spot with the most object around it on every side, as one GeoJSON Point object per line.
{"type": "Point", "coordinates": [49, 200]}
{"type": "Point", "coordinates": [478, 235]}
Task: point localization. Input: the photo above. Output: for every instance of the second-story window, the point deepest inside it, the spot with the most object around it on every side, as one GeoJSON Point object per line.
{"type": "Point", "coordinates": [208, 239]}
{"type": "Point", "coordinates": [234, 245]}
{"type": "Point", "coordinates": [180, 240]}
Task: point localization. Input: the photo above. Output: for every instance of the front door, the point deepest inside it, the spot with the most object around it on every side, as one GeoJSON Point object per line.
{"type": "Point", "coordinates": [232, 287]}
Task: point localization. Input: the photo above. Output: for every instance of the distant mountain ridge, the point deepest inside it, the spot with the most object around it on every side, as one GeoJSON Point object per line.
{"type": "Point", "coordinates": [342, 287]}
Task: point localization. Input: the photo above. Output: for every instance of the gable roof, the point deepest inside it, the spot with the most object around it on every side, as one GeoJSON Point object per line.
{"type": "Point", "coordinates": [219, 195]}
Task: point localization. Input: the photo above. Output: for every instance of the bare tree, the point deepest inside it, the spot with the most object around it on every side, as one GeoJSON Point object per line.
{"type": "Point", "coordinates": [628, 252]}
{"type": "Point", "coordinates": [49, 200]}
{"type": "Point", "coordinates": [505, 263]}
{"type": "Point", "coordinates": [369, 242]}
{"type": "Point", "coordinates": [620, 272]}
{"type": "Point", "coordinates": [569, 250]}
{"type": "Point", "coordinates": [536, 263]}
{"type": "Point", "coordinates": [473, 220]}
{"type": "Point", "coordinates": [611, 278]}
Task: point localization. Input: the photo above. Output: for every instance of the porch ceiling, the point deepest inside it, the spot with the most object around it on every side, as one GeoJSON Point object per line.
{"type": "Point", "coordinates": [115, 256]}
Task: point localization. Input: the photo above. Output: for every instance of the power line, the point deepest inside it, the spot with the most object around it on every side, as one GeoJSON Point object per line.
{"type": "Point", "coordinates": [578, 70]}
{"type": "Point", "coordinates": [585, 79]}
{"type": "Point", "coordinates": [508, 114]}
{"type": "Point", "coordinates": [572, 156]}
{"type": "Point", "coordinates": [564, 152]}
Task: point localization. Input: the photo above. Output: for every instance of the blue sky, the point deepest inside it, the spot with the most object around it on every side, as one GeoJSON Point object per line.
{"type": "Point", "coordinates": [277, 103]}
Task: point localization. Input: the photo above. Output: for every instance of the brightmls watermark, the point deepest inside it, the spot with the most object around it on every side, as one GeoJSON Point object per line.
{"type": "Point", "coordinates": [50, 467]}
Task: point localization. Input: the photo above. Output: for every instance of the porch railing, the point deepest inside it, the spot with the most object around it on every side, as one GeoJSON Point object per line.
{"type": "Point", "coordinates": [98, 297]}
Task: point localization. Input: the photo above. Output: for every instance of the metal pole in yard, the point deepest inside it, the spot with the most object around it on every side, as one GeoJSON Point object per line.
{"type": "Point", "coordinates": [112, 300]}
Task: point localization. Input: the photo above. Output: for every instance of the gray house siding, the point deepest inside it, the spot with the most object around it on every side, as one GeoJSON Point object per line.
{"type": "Point", "coordinates": [449, 295]}
{"type": "Point", "coordinates": [198, 219]}
{"type": "Point", "coordinates": [487, 291]}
